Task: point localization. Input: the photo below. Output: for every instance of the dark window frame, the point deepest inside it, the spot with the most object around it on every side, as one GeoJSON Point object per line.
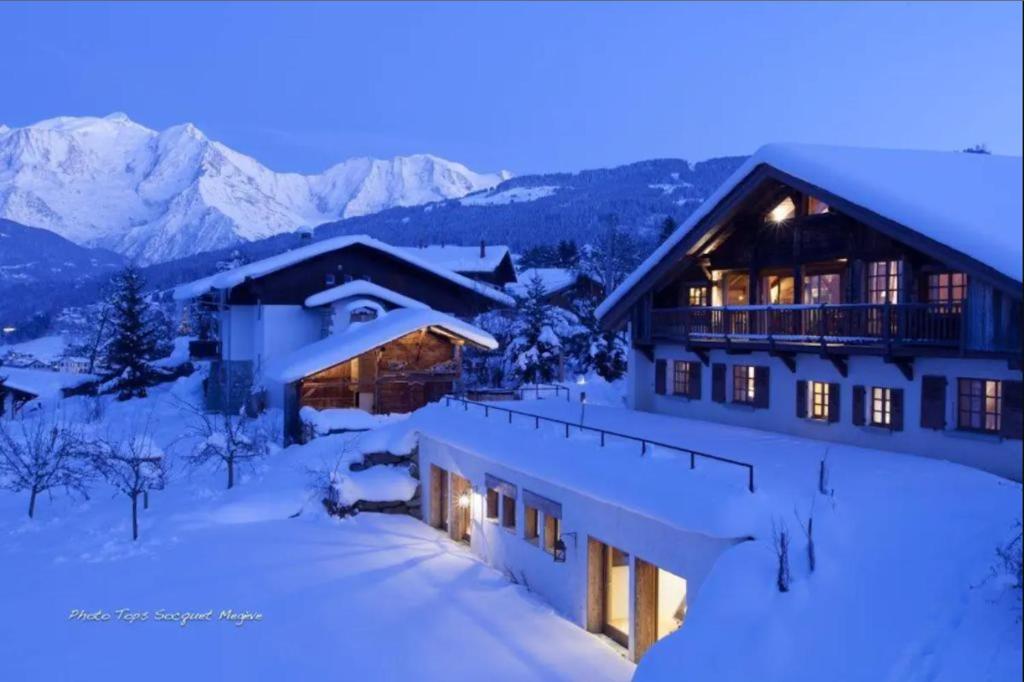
{"type": "Point", "coordinates": [880, 412]}
{"type": "Point", "coordinates": [682, 375]}
{"type": "Point", "coordinates": [531, 524]}
{"type": "Point", "coordinates": [977, 416]}
{"type": "Point", "coordinates": [697, 297]}
{"type": "Point", "coordinates": [942, 287]}
{"type": "Point", "coordinates": [884, 281]}
{"type": "Point", "coordinates": [744, 384]}
{"type": "Point", "coordinates": [818, 401]}
{"type": "Point", "coordinates": [508, 513]}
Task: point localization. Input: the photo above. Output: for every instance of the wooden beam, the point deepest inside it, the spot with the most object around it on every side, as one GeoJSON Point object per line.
{"type": "Point", "coordinates": [905, 364]}
{"type": "Point", "coordinates": [645, 607]}
{"type": "Point", "coordinates": [702, 354]}
{"type": "Point", "coordinates": [595, 585]}
{"type": "Point", "coordinates": [788, 359]}
{"type": "Point", "coordinates": [840, 362]}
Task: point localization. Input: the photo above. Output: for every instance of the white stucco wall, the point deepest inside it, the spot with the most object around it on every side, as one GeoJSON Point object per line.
{"type": "Point", "coordinates": [283, 329]}
{"type": "Point", "coordinates": [238, 332]}
{"type": "Point", "coordinates": [564, 585]}
{"type": "Point", "coordinates": [987, 452]}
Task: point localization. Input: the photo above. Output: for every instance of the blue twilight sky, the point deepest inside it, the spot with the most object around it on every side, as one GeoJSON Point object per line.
{"type": "Point", "coordinates": [528, 87]}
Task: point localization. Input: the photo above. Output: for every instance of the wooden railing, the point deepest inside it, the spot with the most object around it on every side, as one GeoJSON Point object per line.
{"type": "Point", "coordinates": [929, 324]}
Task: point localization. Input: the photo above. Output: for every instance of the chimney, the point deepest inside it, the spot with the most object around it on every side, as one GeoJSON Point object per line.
{"type": "Point", "coordinates": [483, 249]}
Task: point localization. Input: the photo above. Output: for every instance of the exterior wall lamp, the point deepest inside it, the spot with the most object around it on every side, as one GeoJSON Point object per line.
{"type": "Point", "coordinates": [559, 550]}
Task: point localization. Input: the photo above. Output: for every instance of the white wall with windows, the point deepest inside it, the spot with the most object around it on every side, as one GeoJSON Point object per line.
{"type": "Point", "coordinates": [520, 543]}
{"type": "Point", "coordinates": [816, 401]}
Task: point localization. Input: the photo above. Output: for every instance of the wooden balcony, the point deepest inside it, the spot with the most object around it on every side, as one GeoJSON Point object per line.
{"type": "Point", "coordinates": [866, 325]}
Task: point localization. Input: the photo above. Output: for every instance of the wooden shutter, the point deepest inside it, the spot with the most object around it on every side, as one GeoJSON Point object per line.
{"type": "Point", "coordinates": [933, 402]}
{"type": "Point", "coordinates": [1010, 426]}
{"type": "Point", "coordinates": [859, 411]}
{"type": "Point", "coordinates": [833, 402]}
{"type": "Point", "coordinates": [896, 418]}
{"type": "Point", "coordinates": [660, 374]}
{"type": "Point", "coordinates": [761, 386]}
{"type": "Point", "coordinates": [801, 399]}
{"type": "Point", "coordinates": [718, 382]}
{"type": "Point", "coordinates": [695, 380]}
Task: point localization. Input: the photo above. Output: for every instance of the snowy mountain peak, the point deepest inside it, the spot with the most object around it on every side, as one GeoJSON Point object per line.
{"type": "Point", "coordinates": [155, 195]}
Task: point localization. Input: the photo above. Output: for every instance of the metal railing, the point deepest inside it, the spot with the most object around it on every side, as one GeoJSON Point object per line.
{"type": "Point", "coordinates": [518, 393]}
{"type": "Point", "coordinates": [933, 324]}
{"type": "Point", "coordinates": [569, 427]}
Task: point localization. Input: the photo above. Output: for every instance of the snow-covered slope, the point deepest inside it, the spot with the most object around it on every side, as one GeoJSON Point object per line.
{"type": "Point", "coordinates": [157, 195]}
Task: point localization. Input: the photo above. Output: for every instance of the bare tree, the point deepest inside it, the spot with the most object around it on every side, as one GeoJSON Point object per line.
{"type": "Point", "coordinates": [134, 464]}
{"type": "Point", "coordinates": [780, 537]}
{"type": "Point", "coordinates": [231, 440]}
{"type": "Point", "coordinates": [41, 453]}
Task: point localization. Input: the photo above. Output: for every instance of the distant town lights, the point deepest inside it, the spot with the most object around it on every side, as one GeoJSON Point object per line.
{"type": "Point", "coordinates": [10, 330]}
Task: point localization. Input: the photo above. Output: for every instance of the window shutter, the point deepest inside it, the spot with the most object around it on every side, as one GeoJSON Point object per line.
{"type": "Point", "coordinates": [718, 382]}
{"type": "Point", "coordinates": [660, 374]}
{"type": "Point", "coordinates": [801, 399]}
{"type": "Point", "coordinates": [1010, 426]}
{"type": "Point", "coordinates": [695, 380]}
{"type": "Point", "coordinates": [933, 402]}
{"type": "Point", "coordinates": [896, 423]}
{"type": "Point", "coordinates": [833, 402]}
{"type": "Point", "coordinates": [859, 411]}
{"type": "Point", "coordinates": [761, 384]}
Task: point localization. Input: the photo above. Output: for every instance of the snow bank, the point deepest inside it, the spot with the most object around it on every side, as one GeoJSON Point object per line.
{"type": "Point", "coordinates": [552, 279]}
{"type": "Point", "coordinates": [43, 383]}
{"type": "Point", "coordinates": [359, 288]}
{"type": "Point", "coordinates": [339, 419]}
{"type": "Point", "coordinates": [461, 258]}
{"type": "Point", "coordinates": [45, 349]}
{"type": "Point", "coordinates": [376, 484]}
{"type": "Point", "coordinates": [509, 196]}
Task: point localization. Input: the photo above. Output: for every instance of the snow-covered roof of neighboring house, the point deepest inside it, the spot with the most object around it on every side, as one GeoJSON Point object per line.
{"type": "Point", "coordinates": [360, 337]}
{"type": "Point", "coordinates": [461, 258]}
{"type": "Point", "coordinates": [553, 279]}
{"type": "Point", "coordinates": [41, 382]}
{"type": "Point", "coordinates": [261, 268]}
{"type": "Point", "coordinates": [968, 202]}
{"type": "Point", "coordinates": [359, 288]}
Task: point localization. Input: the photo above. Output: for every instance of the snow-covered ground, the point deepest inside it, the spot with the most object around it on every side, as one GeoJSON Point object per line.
{"type": "Point", "coordinates": [45, 349]}
{"type": "Point", "coordinates": [370, 597]}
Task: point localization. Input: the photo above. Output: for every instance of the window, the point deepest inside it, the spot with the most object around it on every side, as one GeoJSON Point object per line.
{"type": "Point", "coordinates": [530, 524]}
{"type": "Point", "coordinates": [329, 279]}
{"type": "Point", "coordinates": [492, 504]}
{"type": "Point", "coordinates": [822, 288]}
{"type": "Point", "coordinates": [881, 406]}
{"type": "Point", "coordinates": [737, 285]}
{"type": "Point", "coordinates": [947, 287]}
{"type": "Point", "coordinates": [508, 512]}
{"type": "Point", "coordinates": [819, 400]}
{"type": "Point", "coordinates": [783, 211]}
{"type": "Point", "coordinates": [979, 405]}
{"type": "Point", "coordinates": [816, 206]}
{"type": "Point", "coordinates": [552, 531]}
{"type": "Point", "coordinates": [744, 383]}
{"type": "Point", "coordinates": [884, 281]}
{"type": "Point", "coordinates": [777, 289]}
{"type": "Point", "coordinates": [698, 296]}
{"type": "Point", "coordinates": [682, 375]}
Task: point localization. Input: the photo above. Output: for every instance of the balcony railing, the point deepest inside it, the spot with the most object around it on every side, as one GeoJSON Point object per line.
{"type": "Point", "coordinates": [204, 349]}
{"type": "Point", "coordinates": [908, 324]}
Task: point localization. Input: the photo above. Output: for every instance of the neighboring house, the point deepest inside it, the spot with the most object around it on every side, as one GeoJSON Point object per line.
{"type": "Point", "coordinates": [487, 263]}
{"type": "Point", "coordinates": [20, 386]}
{"type": "Point", "coordinates": [73, 364]}
{"type": "Point", "coordinates": [864, 296]}
{"type": "Point", "coordinates": [562, 286]}
{"type": "Point", "coordinates": [346, 322]}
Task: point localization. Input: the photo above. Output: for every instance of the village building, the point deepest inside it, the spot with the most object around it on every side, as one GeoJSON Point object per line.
{"type": "Point", "coordinates": [562, 286]}
{"type": "Point", "coordinates": [20, 386]}
{"type": "Point", "coordinates": [490, 263]}
{"type": "Point", "coordinates": [346, 322]}
{"type": "Point", "coordinates": [861, 296]}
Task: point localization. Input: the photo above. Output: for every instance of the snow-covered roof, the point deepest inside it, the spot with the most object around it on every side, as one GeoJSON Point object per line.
{"type": "Point", "coordinates": [553, 280]}
{"type": "Point", "coordinates": [42, 383]}
{"type": "Point", "coordinates": [360, 337]}
{"type": "Point", "coordinates": [461, 258]}
{"type": "Point", "coordinates": [969, 202]}
{"type": "Point", "coordinates": [358, 288]}
{"type": "Point", "coordinates": [261, 268]}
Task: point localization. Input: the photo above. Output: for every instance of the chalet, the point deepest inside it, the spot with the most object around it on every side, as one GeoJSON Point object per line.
{"type": "Point", "coordinates": [865, 296]}
{"type": "Point", "coordinates": [20, 386]}
{"type": "Point", "coordinates": [562, 286]}
{"type": "Point", "coordinates": [345, 322]}
{"type": "Point", "coordinates": [488, 263]}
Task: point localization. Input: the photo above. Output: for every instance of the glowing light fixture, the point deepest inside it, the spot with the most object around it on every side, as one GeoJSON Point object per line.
{"type": "Point", "coordinates": [581, 380]}
{"type": "Point", "coordinates": [783, 211]}
{"type": "Point", "coordinates": [9, 330]}
{"type": "Point", "coordinates": [463, 501]}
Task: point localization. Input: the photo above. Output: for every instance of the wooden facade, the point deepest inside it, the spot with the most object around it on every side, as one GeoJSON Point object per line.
{"type": "Point", "coordinates": [400, 376]}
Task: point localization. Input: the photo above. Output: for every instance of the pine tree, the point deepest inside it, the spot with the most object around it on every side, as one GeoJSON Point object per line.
{"type": "Point", "coordinates": [133, 343]}
{"type": "Point", "coordinates": [668, 226]}
{"type": "Point", "coordinates": [536, 349]}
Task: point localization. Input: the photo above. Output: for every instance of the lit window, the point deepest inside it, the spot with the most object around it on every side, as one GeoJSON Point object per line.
{"type": "Point", "coordinates": [698, 296]}
{"type": "Point", "coordinates": [552, 531]}
{"type": "Point", "coordinates": [819, 400]}
{"type": "Point", "coordinates": [947, 287]}
{"type": "Point", "coordinates": [884, 281]}
{"type": "Point", "coordinates": [816, 206]}
{"type": "Point", "coordinates": [822, 288]}
{"type": "Point", "coordinates": [979, 405]}
{"type": "Point", "coordinates": [783, 211]}
{"type": "Point", "coordinates": [530, 524]}
{"type": "Point", "coordinates": [737, 285]}
{"type": "Point", "coordinates": [682, 375]}
{"type": "Point", "coordinates": [881, 406]}
{"type": "Point", "coordinates": [778, 290]}
{"type": "Point", "coordinates": [744, 387]}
